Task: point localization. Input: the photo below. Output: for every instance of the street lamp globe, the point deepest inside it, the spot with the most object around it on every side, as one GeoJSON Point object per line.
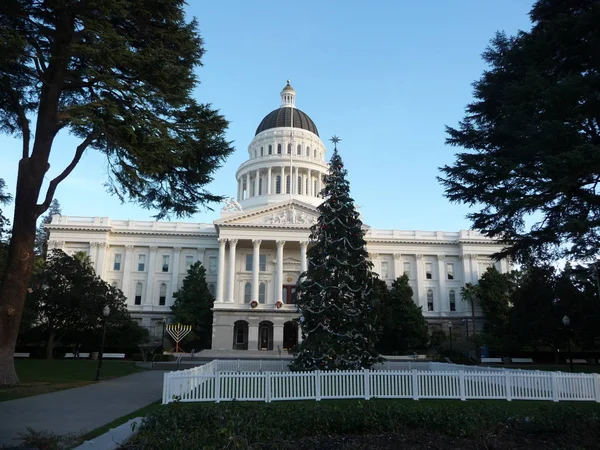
{"type": "Point", "coordinates": [566, 321]}
{"type": "Point", "coordinates": [106, 311]}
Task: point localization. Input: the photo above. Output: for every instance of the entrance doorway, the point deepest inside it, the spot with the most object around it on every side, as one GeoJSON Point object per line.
{"type": "Point", "coordinates": [265, 335]}
{"type": "Point", "coordinates": [290, 335]}
{"type": "Point", "coordinates": [289, 294]}
{"type": "Point", "coordinates": [240, 335]}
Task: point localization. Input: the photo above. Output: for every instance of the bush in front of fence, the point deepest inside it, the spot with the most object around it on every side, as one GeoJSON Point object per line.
{"type": "Point", "coordinates": [280, 425]}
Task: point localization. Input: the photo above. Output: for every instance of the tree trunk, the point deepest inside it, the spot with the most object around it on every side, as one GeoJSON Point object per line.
{"type": "Point", "coordinates": [20, 263]}
{"type": "Point", "coordinates": [473, 316]}
{"type": "Point", "coordinates": [50, 345]}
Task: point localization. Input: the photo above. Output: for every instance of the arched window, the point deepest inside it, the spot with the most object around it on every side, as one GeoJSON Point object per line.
{"type": "Point", "coordinates": [138, 294]}
{"type": "Point", "coordinates": [162, 296]}
{"type": "Point", "coordinates": [308, 151]}
{"type": "Point", "coordinates": [247, 292]}
{"type": "Point", "coordinates": [278, 184]}
{"type": "Point", "coordinates": [279, 149]}
{"type": "Point", "coordinates": [429, 300]}
{"type": "Point", "coordinates": [287, 184]}
{"type": "Point", "coordinates": [299, 149]}
{"type": "Point", "coordinates": [289, 149]}
{"type": "Point", "coordinates": [260, 184]}
{"type": "Point", "coordinates": [452, 295]}
{"type": "Point", "coordinates": [261, 293]}
{"type": "Point", "coordinates": [270, 149]}
{"type": "Point", "coordinates": [261, 152]}
{"type": "Point", "coordinates": [299, 185]}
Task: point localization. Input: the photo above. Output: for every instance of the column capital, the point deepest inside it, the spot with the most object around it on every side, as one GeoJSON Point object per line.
{"type": "Point", "coordinates": [222, 241]}
{"type": "Point", "coordinates": [419, 256]}
{"type": "Point", "coordinates": [177, 249]}
{"type": "Point", "coordinates": [280, 243]}
{"type": "Point", "coordinates": [256, 242]}
{"type": "Point", "coordinates": [304, 243]}
{"type": "Point", "coordinates": [129, 247]}
{"type": "Point", "coordinates": [232, 242]}
{"type": "Point", "coordinates": [373, 255]}
{"type": "Point", "coordinates": [397, 255]}
{"type": "Point", "coordinates": [441, 257]}
{"type": "Point", "coordinates": [153, 248]}
{"type": "Point", "coordinates": [465, 256]}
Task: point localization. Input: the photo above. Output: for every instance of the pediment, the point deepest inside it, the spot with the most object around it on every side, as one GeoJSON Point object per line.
{"type": "Point", "coordinates": [293, 214]}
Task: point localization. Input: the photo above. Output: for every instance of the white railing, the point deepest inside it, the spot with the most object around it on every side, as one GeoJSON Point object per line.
{"type": "Point", "coordinates": [220, 381]}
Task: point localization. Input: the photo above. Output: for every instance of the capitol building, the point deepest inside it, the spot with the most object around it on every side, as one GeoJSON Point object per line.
{"type": "Point", "coordinates": [255, 252]}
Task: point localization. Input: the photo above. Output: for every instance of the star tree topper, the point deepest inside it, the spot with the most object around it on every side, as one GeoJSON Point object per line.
{"type": "Point", "coordinates": [335, 140]}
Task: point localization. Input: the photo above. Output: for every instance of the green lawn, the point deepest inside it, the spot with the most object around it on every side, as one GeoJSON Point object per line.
{"type": "Point", "coordinates": [40, 376]}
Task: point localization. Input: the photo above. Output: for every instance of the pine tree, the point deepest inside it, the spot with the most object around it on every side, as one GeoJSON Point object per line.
{"type": "Point", "coordinates": [193, 305]}
{"type": "Point", "coordinates": [403, 326]}
{"type": "Point", "coordinates": [335, 294]}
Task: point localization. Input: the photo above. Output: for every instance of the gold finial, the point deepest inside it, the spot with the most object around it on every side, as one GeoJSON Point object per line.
{"type": "Point", "coordinates": [288, 82]}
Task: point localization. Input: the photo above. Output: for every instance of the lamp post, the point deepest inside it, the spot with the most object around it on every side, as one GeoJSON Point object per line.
{"type": "Point", "coordinates": [105, 313]}
{"type": "Point", "coordinates": [466, 321]}
{"type": "Point", "coordinates": [450, 331]}
{"type": "Point", "coordinates": [162, 340]}
{"type": "Point", "coordinates": [566, 322]}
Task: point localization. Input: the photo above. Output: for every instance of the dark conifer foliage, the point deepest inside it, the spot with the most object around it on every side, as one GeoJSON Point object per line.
{"type": "Point", "coordinates": [335, 294]}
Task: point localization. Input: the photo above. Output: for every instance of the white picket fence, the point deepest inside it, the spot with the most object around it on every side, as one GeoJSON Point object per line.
{"type": "Point", "coordinates": [269, 381]}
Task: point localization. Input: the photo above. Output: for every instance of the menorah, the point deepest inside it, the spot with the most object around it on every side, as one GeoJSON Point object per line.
{"type": "Point", "coordinates": [178, 332]}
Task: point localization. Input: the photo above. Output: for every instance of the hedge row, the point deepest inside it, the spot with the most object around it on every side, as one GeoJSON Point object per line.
{"type": "Point", "coordinates": [287, 424]}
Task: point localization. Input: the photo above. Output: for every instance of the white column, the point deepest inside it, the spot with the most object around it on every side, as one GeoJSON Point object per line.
{"type": "Point", "coordinates": [175, 270]}
{"type": "Point", "coordinates": [256, 175]}
{"type": "Point", "coordinates": [420, 277]}
{"type": "Point", "coordinates": [294, 186]}
{"type": "Point", "coordinates": [100, 262]}
{"type": "Point", "coordinates": [397, 265]}
{"type": "Point", "coordinates": [248, 190]}
{"type": "Point", "coordinates": [303, 262]}
{"type": "Point", "coordinates": [231, 275]}
{"type": "Point", "coordinates": [221, 272]}
{"type": "Point", "coordinates": [474, 268]}
{"type": "Point", "coordinates": [255, 268]}
{"type": "Point", "coordinates": [310, 184]}
{"type": "Point", "coordinates": [240, 190]}
{"type": "Point", "coordinates": [374, 257]}
{"type": "Point", "coordinates": [279, 285]}
{"type": "Point", "coordinates": [151, 269]}
{"type": "Point", "coordinates": [282, 180]}
{"type": "Point", "coordinates": [127, 270]}
{"type": "Point", "coordinates": [319, 179]}
{"type": "Point", "coordinates": [200, 255]}
{"type": "Point", "coordinates": [444, 301]}
{"type": "Point", "coordinates": [269, 181]}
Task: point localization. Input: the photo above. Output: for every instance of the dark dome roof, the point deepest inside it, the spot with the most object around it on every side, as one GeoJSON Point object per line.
{"type": "Point", "coordinates": [282, 117]}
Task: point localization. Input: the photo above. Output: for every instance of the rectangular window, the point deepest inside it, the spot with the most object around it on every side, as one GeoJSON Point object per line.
{"type": "Point", "coordinates": [117, 264]}
{"type": "Point", "coordinates": [384, 269]}
{"type": "Point", "coordinates": [249, 257]}
{"type": "Point", "coordinates": [212, 264]}
{"type": "Point", "coordinates": [189, 260]}
{"type": "Point", "coordinates": [450, 271]}
{"type": "Point", "coordinates": [165, 263]}
{"type": "Point", "coordinates": [428, 271]}
{"type": "Point", "coordinates": [141, 263]}
{"type": "Point", "coordinates": [262, 265]}
{"type": "Point", "coordinates": [406, 269]}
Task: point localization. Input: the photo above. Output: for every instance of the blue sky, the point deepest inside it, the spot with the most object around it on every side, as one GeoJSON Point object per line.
{"type": "Point", "coordinates": [385, 76]}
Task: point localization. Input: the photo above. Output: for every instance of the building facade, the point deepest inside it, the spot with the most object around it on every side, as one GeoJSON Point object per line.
{"type": "Point", "coordinates": [255, 252]}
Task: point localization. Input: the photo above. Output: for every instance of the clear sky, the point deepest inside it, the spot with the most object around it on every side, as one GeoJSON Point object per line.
{"type": "Point", "coordinates": [386, 76]}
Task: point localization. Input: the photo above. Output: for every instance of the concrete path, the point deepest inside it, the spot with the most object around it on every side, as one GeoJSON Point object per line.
{"type": "Point", "coordinates": [80, 409]}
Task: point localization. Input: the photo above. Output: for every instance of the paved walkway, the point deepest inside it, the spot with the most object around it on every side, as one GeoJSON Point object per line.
{"type": "Point", "coordinates": [79, 409]}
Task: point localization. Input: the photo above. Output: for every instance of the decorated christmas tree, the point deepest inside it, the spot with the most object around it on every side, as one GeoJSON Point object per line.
{"type": "Point", "coordinates": [335, 294]}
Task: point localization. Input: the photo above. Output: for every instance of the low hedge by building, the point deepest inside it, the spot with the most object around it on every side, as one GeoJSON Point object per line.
{"type": "Point", "coordinates": [370, 424]}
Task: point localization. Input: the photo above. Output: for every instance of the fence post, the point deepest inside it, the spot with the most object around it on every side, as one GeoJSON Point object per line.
{"type": "Point", "coordinates": [597, 387]}
{"type": "Point", "coordinates": [415, 385]}
{"type": "Point", "coordinates": [318, 385]}
{"type": "Point", "coordinates": [508, 385]}
{"type": "Point", "coordinates": [461, 384]}
{"type": "Point", "coordinates": [268, 387]}
{"type": "Point", "coordinates": [238, 369]}
{"type": "Point", "coordinates": [366, 374]}
{"type": "Point", "coordinates": [554, 387]}
{"type": "Point", "coordinates": [217, 387]}
{"type": "Point", "coordinates": [164, 396]}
